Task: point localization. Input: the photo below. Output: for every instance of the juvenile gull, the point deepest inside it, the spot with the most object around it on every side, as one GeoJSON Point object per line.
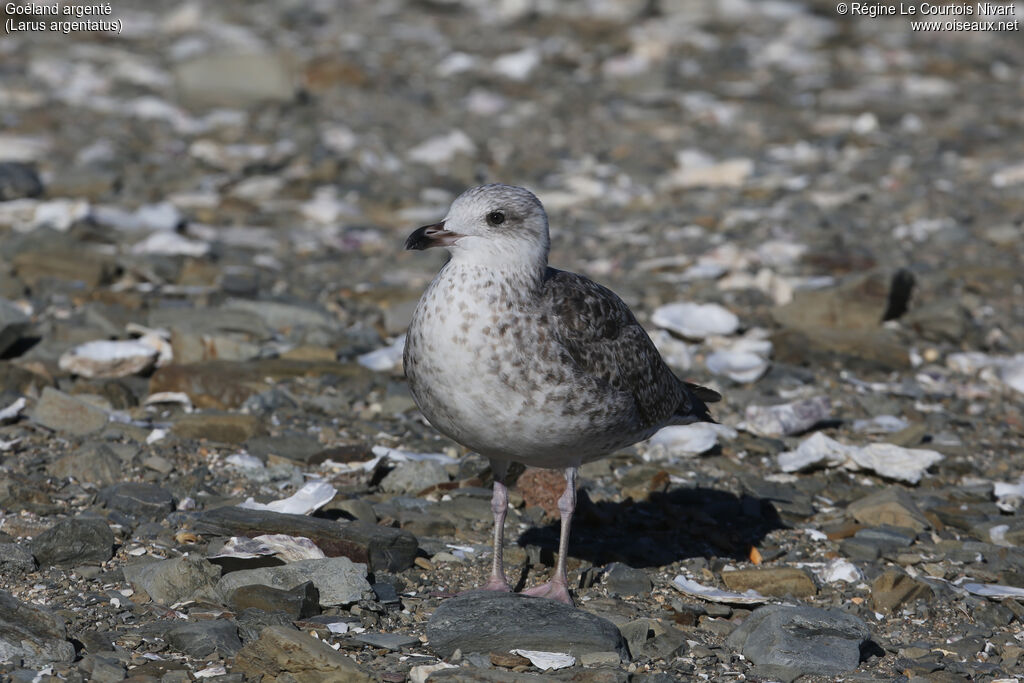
{"type": "Point", "coordinates": [524, 363]}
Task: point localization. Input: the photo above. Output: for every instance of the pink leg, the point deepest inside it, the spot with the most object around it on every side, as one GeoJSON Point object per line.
{"type": "Point", "coordinates": [558, 587]}
{"type": "Point", "coordinates": [499, 506]}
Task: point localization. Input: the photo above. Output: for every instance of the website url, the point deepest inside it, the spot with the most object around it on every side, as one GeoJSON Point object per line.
{"type": "Point", "coordinates": [955, 25]}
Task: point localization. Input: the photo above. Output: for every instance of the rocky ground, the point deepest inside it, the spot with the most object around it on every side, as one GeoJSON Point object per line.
{"type": "Point", "coordinates": [222, 190]}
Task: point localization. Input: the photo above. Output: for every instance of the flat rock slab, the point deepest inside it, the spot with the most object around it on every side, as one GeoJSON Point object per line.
{"type": "Point", "coordinates": [138, 499]}
{"type": "Point", "coordinates": [32, 634]}
{"type": "Point", "coordinates": [380, 548]}
{"type": "Point", "coordinates": [774, 581]}
{"type": "Point", "coordinates": [387, 641]}
{"type": "Point", "coordinates": [487, 621]}
{"type": "Point", "coordinates": [787, 642]}
{"type": "Point", "coordinates": [170, 581]}
{"type": "Point", "coordinates": [339, 580]}
{"type": "Point", "coordinates": [283, 653]}
{"type": "Point", "coordinates": [64, 413]}
{"type": "Point", "coordinates": [71, 542]}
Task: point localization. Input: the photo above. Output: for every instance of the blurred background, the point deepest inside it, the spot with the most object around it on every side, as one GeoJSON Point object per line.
{"type": "Point", "coordinates": [224, 189]}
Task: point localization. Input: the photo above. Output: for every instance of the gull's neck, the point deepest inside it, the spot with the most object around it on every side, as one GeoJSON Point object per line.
{"type": "Point", "coordinates": [501, 263]}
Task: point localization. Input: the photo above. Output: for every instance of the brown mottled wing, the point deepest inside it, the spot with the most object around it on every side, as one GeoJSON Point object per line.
{"type": "Point", "coordinates": [605, 341]}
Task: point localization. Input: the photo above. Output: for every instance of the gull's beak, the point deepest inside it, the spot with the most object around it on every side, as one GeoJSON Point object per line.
{"type": "Point", "coordinates": [431, 236]}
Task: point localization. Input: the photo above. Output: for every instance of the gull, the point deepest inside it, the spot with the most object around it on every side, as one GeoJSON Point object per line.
{"type": "Point", "coordinates": [525, 363]}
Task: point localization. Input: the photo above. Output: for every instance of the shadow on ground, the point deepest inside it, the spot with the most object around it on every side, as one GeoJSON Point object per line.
{"type": "Point", "coordinates": [665, 528]}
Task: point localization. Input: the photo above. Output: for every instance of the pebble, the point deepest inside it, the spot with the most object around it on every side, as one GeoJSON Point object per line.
{"type": "Point", "coordinates": [14, 324]}
{"type": "Point", "coordinates": [297, 602]}
{"type": "Point", "coordinates": [18, 181]}
{"type": "Point", "coordinates": [625, 580]}
{"type": "Point", "coordinates": [696, 321]}
{"type": "Point", "coordinates": [772, 581]}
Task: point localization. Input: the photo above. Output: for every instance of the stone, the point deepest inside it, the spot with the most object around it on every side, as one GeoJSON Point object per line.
{"type": "Point", "coordinates": [891, 505]}
{"type": "Point", "coordinates": [222, 385]}
{"type": "Point", "coordinates": [485, 621]}
{"type": "Point", "coordinates": [772, 581]}
{"type": "Point", "coordinates": [146, 501]}
{"type": "Point", "coordinates": [292, 446]}
{"type": "Point", "coordinates": [387, 641]}
{"type": "Point", "coordinates": [75, 541]}
{"type": "Point", "coordinates": [94, 463]}
{"type": "Point", "coordinates": [894, 588]}
{"type": "Point", "coordinates": [542, 488]}
{"type": "Point", "coordinates": [251, 623]}
{"type": "Point", "coordinates": [14, 324]}
{"type": "Point", "coordinates": [102, 669]}
{"type": "Point", "coordinates": [171, 581]}
{"type": "Point", "coordinates": [18, 181]}
{"type": "Point", "coordinates": [298, 602]}
{"type": "Point", "coordinates": [32, 635]}
{"type": "Point", "coordinates": [287, 654]}
{"type": "Point", "coordinates": [234, 80]}
{"type": "Point", "coordinates": [79, 266]}
{"type": "Point", "coordinates": [338, 580]}
{"type": "Point", "coordinates": [622, 579]}
{"type": "Point", "coordinates": [787, 642]}
{"type": "Point", "coordinates": [413, 477]}
{"type": "Point", "coordinates": [380, 548]}
{"type": "Point", "coordinates": [63, 413]}
{"type": "Point", "coordinates": [15, 559]}
{"type": "Point", "coordinates": [220, 427]}
{"type": "Point", "coordinates": [215, 637]}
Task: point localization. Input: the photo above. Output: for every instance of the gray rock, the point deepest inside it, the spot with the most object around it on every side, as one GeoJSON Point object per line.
{"type": "Point", "coordinates": [102, 669]}
{"type": "Point", "coordinates": [71, 542]}
{"type": "Point", "coordinates": [413, 477]}
{"type": "Point", "coordinates": [788, 641]}
{"type": "Point", "coordinates": [13, 324]}
{"type": "Point", "coordinates": [15, 559]}
{"type": "Point", "coordinates": [170, 581]}
{"type": "Point", "coordinates": [891, 505]}
{"type": "Point", "coordinates": [298, 602]}
{"type": "Point", "coordinates": [251, 622]}
{"type": "Point", "coordinates": [220, 427]}
{"type": "Point", "coordinates": [381, 548]}
{"type": "Point", "coordinates": [147, 501]}
{"type": "Point", "coordinates": [625, 580]}
{"type": "Point", "coordinates": [486, 621]}
{"type": "Point", "coordinates": [297, 447]}
{"type": "Point", "coordinates": [31, 635]}
{"type": "Point", "coordinates": [234, 80]}
{"type": "Point", "coordinates": [205, 638]}
{"type": "Point", "coordinates": [387, 641]}
{"type": "Point", "coordinates": [63, 413]}
{"type": "Point", "coordinates": [283, 650]}
{"type": "Point", "coordinates": [894, 588]}
{"type": "Point", "coordinates": [339, 580]}
{"type": "Point", "coordinates": [94, 463]}
{"type": "Point", "coordinates": [18, 181]}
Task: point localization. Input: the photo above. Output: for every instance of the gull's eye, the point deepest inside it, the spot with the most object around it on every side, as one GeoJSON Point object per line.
{"type": "Point", "coordinates": [495, 218]}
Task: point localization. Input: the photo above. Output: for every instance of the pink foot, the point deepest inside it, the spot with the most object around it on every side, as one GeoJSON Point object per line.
{"type": "Point", "coordinates": [496, 585]}
{"type": "Point", "coordinates": [552, 590]}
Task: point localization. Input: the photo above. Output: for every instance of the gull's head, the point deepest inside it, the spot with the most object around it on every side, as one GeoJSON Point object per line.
{"type": "Point", "coordinates": [490, 223]}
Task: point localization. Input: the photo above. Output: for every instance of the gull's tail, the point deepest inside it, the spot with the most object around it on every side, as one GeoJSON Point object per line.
{"type": "Point", "coordinates": [693, 407]}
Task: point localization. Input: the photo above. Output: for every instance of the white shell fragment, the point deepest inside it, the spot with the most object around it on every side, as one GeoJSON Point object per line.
{"type": "Point", "coordinates": [442, 148]}
{"type": "Point", "coordinates": [394, 455]}
{"type": "Point", "coordinates": [1009, 497]}
{"type": "Point", "coordinates": [885, 459]}
{"type": "Point", "coordinates": [282, 546]}
{"type": "Point", "coordinates": [993, 590]}
{"type": "Point", "coordinates": [686, 439]}
{"type": "Point", "coordinates": [747, 597]}
{"type": "Point", "coordinates": [787, 418]}
{"type": "Point", "coordinates": [108, 358]}
{"type": "Point", "coordinates": [739, 366]}
{"type": "Point", "coordinates": [12, 411]}
{"type": "Point", "coordinates": [385, 359]}
{"type": "Point", "coordinates": [841, 569]}
{"type": "Point", "coordinates": [696, 321]}
{"type": "Point", "coordinates": [547, 660]}
{"type": "Point", "coordinates": [312, 496]}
